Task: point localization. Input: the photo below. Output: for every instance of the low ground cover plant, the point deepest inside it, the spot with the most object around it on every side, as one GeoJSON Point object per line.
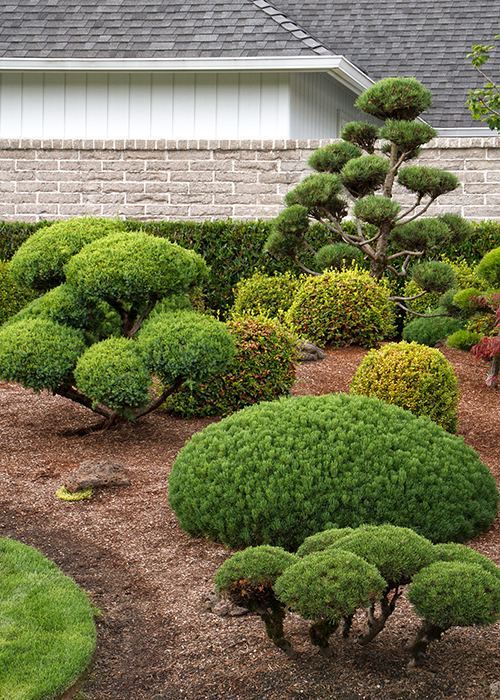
{"type": "Point", "coordinates": [262, 369]}
{"type": "Point", "coordinates": [411, 376]}
{"type": "Point", "coordinates": [102, 326]}
{"type": "Point", "coordinates": [46, 626]}
{"type": "Point", "coordinates": [339, 571]}
{"type": "Point", "coordinates": [277, 472]}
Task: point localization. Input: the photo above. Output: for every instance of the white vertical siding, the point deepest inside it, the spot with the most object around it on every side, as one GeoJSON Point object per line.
{"type": "Point", "coordinates": [117, 105]}
{"type": "Point", "coordinates": [320, 106]}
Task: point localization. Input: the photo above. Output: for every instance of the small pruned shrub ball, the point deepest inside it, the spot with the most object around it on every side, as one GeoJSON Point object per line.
{"type": "Point", "coordinates": [342, 308]}
{"type": "Point", "coordinates": [452, 551]}
{"type": "Point", "coordinates": [322, 540]}
{"type": "Point", "coordinates": [248, 577]}
{"type": "Point", "coordinates": [397, 552]}
{"type": "Point", "coordinates": [265, 294]}
{"type": "Point", "coordinates": [411, 376]}
{"type": "Point", "coordinates": [40, 261]}
{"type": "Point", "coordinates": [263, 369]}
{"type": "Point", "coordinates": [278, 472]}
{"type": "Point", "coordinates": [329, 585]}
{"type": "Point", "coordinates": [428, 330]}
{"type": "Point", "coordinates": [456, 594]}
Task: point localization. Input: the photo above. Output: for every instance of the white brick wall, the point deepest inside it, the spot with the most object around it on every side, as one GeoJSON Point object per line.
{"type": "Point", "coordinates": [197, 180]}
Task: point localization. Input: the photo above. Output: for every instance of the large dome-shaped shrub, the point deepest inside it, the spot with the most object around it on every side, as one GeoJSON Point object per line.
{"type": "Point", "coordinates": [278, 472]}
{"type": "Point", "coordinates": [411, 376]}
{"type": "Point", "coordinates": [342, 308]}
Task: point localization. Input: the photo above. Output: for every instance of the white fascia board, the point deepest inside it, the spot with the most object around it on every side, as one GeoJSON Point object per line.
{"type": "Point", "coordinates": [466, 132]}
{"type": "Point", "coordinates": [337, 66]}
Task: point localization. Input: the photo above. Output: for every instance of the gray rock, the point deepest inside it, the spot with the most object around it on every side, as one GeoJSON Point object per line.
{"type": "Point", "coordinates": [93, 473]}
{"type": "Point", "coordinates": [495, 690]}
{"type": "Point", "coordinates": [221, 605]}
{"type": "Point", "coordinates": [308, 352]}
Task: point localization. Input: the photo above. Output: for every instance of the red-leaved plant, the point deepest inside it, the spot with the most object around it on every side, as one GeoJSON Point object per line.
{"type": "Point", "coordinates": [488, 347]}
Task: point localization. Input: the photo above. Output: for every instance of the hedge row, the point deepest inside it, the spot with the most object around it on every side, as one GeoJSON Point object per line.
{"type": "Point", "coordinates": [233, 249]}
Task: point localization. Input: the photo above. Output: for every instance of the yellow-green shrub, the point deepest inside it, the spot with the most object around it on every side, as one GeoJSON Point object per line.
{"type": "Point", "coordinates": [411, 376]}
{"type": "Point", "coordinates": [342, 308]}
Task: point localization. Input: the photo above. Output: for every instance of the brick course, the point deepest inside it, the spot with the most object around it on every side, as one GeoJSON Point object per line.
{"type": "Point", "coordinates": [197, 180]}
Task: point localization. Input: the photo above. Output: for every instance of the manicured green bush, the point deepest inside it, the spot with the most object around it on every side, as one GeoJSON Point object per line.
{"type": "Point", "coordinates": [463, 339]}
{"type": "Point", "coordinates": [427, 331]}
{"type": "Point", "coordinates": [327, 586]}
{"type": "Point", "coordinates": [278, 472]}
{"type": "Point", "coordinates": [398, 554]}
{"type": "Point", "coordinates": [248, 578]}
{"type": "Point", "coordinates": [322, 540]}
{"type": "Point", "coordinates": [411, 376]}
{"type": "Point", "coordinates": [39, 262]}
{"type": "Point", "coordinates": [265, 294]}
{"type": "Point", "coordinates": [337, 256]}
{"type": "Point", "coordinates": [263, 369]}
{"type": "Point", "coordinates": [12, 297]}
{"type": "Point", "coordinates": [90, 339]}
{"type": "Point", "coordinates": [47, 627]}
{"type": "Point", "coordinates": [456, 594]}
{"type": "Point", "coordinates": [395, 98]}
{"type": "Point", "coordinates": [342, 308]}
{"type": "Point", "coordinates": [452, 551]}
{"type": "Point", "coordinates": [452, 594]}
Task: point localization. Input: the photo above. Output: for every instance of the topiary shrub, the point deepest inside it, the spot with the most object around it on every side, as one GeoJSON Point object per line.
{"type": "Point", "coordinates": [342, 308]}
{"type": "Point", "coordinates": [263, 369]}
{"type": "Point", "coordinates": [452, 594]}
{"type": "Point", "coordinates": [398, 553]}
{"type": "Point", "coordinates": [13, 297]}
{"type": "Point", "coordinates": [327, 586]}
{"type": "Point", "coordinates": [265, 294]}
{"type": "Point", "coordinates": [428, 330]}
{"type": "Point", "coordinates": [40, 260]}
{"type": "Point", "coordinates": [278, 472]}
{"type": "Point", "coordinates": [248, 578]}
{"type": "Point", "coordinates": [90, 337]}
{"type": "Point", "coordinates": [463, 339]}
{"type": "Point", "coordinates": [322, 540]}
{"type": "Point", "coordinates": [452, 551]}
{"type": "Point", "coordinates": [411, 376]}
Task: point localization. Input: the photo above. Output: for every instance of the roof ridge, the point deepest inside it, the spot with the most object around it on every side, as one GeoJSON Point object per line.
{"type": "Point", "coordinates": [292, 26]}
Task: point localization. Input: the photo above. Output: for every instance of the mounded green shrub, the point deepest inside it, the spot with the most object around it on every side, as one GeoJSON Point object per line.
{"type": "Point", "coordinates": [40, 261]}
{"type": "Point", "coordinates": [337, 256]}
{"type": "Point", "coordinates": [452, 551]}
{"type": "Point", "coordinates": [463, 339]}
{"type": "Point", "coordinates": [329, 585]}
{"type": "Point", "coordinates": [427, 331]}
{"type": "Point", "coordinates": [456, 594]}
{"type": "Point", "coordinates": [12, 296]}
{"type": "Point", "coordinates": [322, 540]}
{"type": "Point", "coordinates": [414, 377]}
{"type": "Point", "coordinates": [248, 576]}
{"type": "Point", "coordinates": [278, 472]}
{"type": "Point", "coordinates": [265, 294]}
{"type": "Point", "coordinates": [46, 353]}
{"type": "Point", "coordinates": [342, 308]}
{"type": "Point", "coordinates": [395, 98]}
{"type": "Point", "coordinates": [397, 552]}
{"type": "Point", "coordinates": [263, 369]}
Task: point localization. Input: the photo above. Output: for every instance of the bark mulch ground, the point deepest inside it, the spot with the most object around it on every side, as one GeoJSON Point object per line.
{"type": "Point", "coordinates": [124, 546]}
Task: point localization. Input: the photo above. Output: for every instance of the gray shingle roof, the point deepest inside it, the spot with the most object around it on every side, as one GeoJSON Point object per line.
{"type": "Point", "coordinates": [150, 29]}
{"type": "Point", "coordinates": [428, 39]}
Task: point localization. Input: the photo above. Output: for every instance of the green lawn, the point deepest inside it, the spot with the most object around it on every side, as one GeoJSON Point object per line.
{"type": "Point", "coordinates": [47, 631]}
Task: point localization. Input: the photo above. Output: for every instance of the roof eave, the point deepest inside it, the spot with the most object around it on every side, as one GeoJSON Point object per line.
{"type": "Point", "coordinates": [337, 66]}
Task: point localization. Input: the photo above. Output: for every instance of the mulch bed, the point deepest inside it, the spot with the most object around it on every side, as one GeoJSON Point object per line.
{"type": "Point", "coordinates": [124, 546]}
